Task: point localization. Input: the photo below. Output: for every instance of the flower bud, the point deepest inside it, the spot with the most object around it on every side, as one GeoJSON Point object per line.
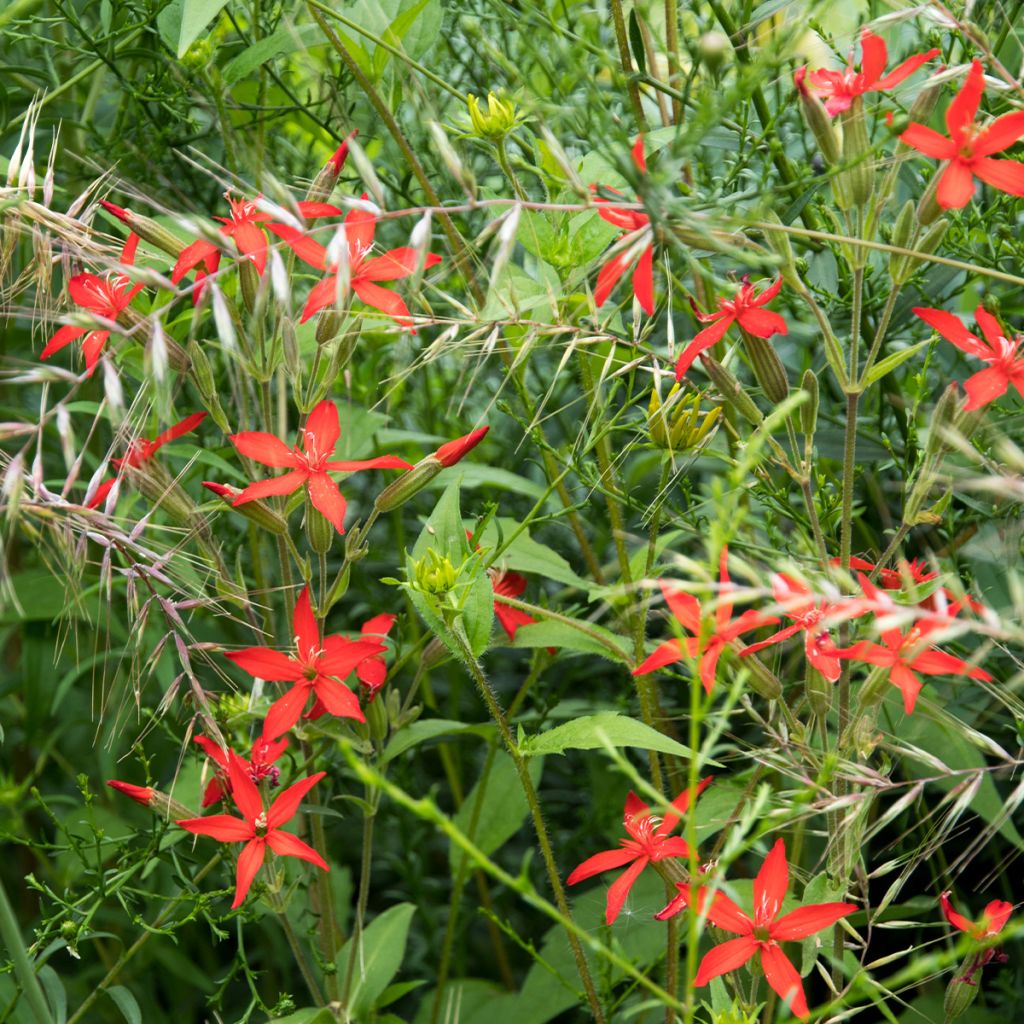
{"type": "Point", "coordinates": [943, 419]}
{"type": "Point", "coordinates": [961, 991]}
{"type": "Point", "coordinates": [319, 530]}
{"type": "Point", "coordinates": [147, 229]}
{"type": "Point", "coordinates": [156, 801]}
{"type": "Point", "coordinates": [818, 691]}
{"type": "Point", "coordinates": [732, 391]}
{"type": "Point", "coordinates": [779, 243]}
{"type": "Point", "coordinates": [153, 481]}
{"type": "Point", "coordinates": [713, 48]}
{"type": "Point", "coordinates": [856, 184]}
{"type": "Point", "coordinates": [677, 427]}
{"type": "Point", "coordinates": [434, 573]}
{"type": "Point", "coordinates": [902, 237]}
{"type": "Point", "coordinates": [809, 410]}
{"type": "Point", "coordinates": [259, 512]}
{"type": "Point", "coordinates": [928, 205]}
{"type": "Point", "coordinates": [453, 451]}
{"type": "Point", "coordinates": [501, 117]}
{"type": "Point", "coordinates": [377, 719]}
{"type": "Point", "coordinates": [767, 366]}
{"type": "Point", "coordinates": [323, 183]}
{"type": "Point", "coordinates": [399, 491]}
{"type": "Point", "coordinates": [926, 246]}
{"type": "Point", "coordinates": [817, 119]}
{"type": "Point", "coordinates": [249, 279]}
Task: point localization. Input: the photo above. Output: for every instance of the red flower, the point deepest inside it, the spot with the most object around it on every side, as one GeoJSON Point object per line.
{"type": "Point", "coordinates": [746, 310]}
{"type": "Point", "coordinates": [686, 608]}
{"type": "Point", "coordinates": [993, 918]}
{"type": "Point", "coordinates": [363, 271]}
{"type": "Point", "coordinates": [315, 668]}
{"type": "Point", "coordinates": [454, 451]}
{"type": "Point", "coordinates": [245, 227]}
{"type": "Point", "coordinates": [372, 672]}
{"type": "Point", "coordinates": [632, 222]}
{"type": "Point", "coordinates": [842, 87]}
{"type": "Point", "coordinates": [509, 584]}
{"type": "Point", "coordinates": [107, 297]}
{"type": "Point", "coordinates": [763, 932]}
{"type": "Point", "coordinates": [140, 451]}
{"type": "Point", "coordinates": [917, 571]}
{"type": "Point", "coordinates": [649, 841]}
{"type": "Point", "coordinates": [799, 604]}
{"type": "Point", "coordinates": [308, 466]}
{"type": "Point", "coordinates": [340, 155]}
{"type": "Point", "coordinates": [906, 654]}
{"type": "Point", "coordinates": [969, 150]}
{"type": "Point", "coordinates": [140, 794]}
{"type": "Point", "coordinates": [257, 828]}
{"type": "Point", "coordinates": [1005, 366]}
{"type": "Point", "coordinates": [260, 765]}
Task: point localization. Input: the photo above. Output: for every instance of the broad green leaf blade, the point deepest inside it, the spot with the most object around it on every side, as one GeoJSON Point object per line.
{"type": "Point", "coordinates": [126, 1003]}
{"type": "Point", "coordinates": [890, 362]}
{"type": "Point", "coordinates": [549, 633]}
{"type": "Point", "coordinates": [378, 958]}
{"type": "Point", "coordinates": [421, 732]}
{"type": "Point", "coordinates": [283, 41]}
{"type": "Point", "coordinates": [196, 15]}
{"type": "Point", "coordinates": [503, 810]}
{"type": "Point", "coordinates": [311, 1015]}
{"type": "Point", "coordinates": [598, 732]}
{"type": "Point", "coordinates": [525, 554]}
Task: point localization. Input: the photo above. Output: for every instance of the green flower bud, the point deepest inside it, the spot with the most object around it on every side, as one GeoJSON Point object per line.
{"type": "Point", "coordinates": [855, 185]}
{"type": "Point", "coordinates": [679, 427]}
{"type": "Point", "coordinates": [732, 391]}
{"type": "Point", "coordinates": [767, 366]}
{"type": "Point", "coordinates": [818, 691]}
{"type": "Point", "coordinates": [961, 991]}
{"type": "Point", "coordinates": [817, 119]}
{"type": "Point", "coordinates": [501, 117]}
{"type": "Point", "coordinates": [319, 530]}
{"type": "Point", "coordinates": [434, 574]}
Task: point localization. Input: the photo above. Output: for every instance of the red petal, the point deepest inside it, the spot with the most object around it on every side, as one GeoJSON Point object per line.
{"type": "Point", "coordinates": [275, 485]}
{"type": "Point", "coordinates": [355, 465]}
{"type": "Point", "coordinates": [762, 323]}
{"type": "Point", "coordinates": [680, 806]}
{"type": "Point", "coordinates": [907, 683]}
{"type": "Point", "coordinates": [380, 298]}
{"type": "Point", "coordinates": [926, 140]}
{"type": "Point", "coordinates": [986, 386]}
{"type": "Point", "coordinates": [250, 860]}
{"type": "Point", "coordinates": [243, 790]}
{"type": "Point", "coordinates": [1002, 133]}
{"type": "Point", "coordinates": [619, 889]}
{"type": "Point", "coordinates": [904, 70]}
{"type": "Point", "coordinates": [874, 56]}
{"type": "Point", "coordinates": [784, 979]}
{"type": "Point", "coordinates": [809, 920]}
{"type": "Point", "coordinates": [643, 281]}
{"type": "Point", "coordinates": [454, 451]}
{"type": "Point", "coordinates": [955, 919]}
{"type": "Point", "coordinates": [1005, 175]}
{"type": "Point", "coordinates": [327, 499]}
{"type": "Point", "coordinates": [995, 916]}
{"type": "Point", "coordinates": [284, 807]}
{"type": "Point", "coordinates": [724, 958]}
{"type": "Point", "coordinates": [512, 618]}
{"type": "Point", "coordinates": [709, 664]}
{"type": "Point", "coordinates": [664, 654]}
{"type": "Point", "coordinates": [302, 245]}
{"type": "Point", "coordinates": [339, 700]}
{"type": "Point", "coordinates": [952, 328]}
{"type": "Point", "coordinates": [960, 112]}
{"type": "Point", "coordinates": [991, 328]}
{"type": "Point", "coordinates": [323, 423]}
{"type": "Point", "coordinates": [359, 228]}
{"type": "Point", "coordinates": [186, 426]}
{"type": "Point", "coordinates": [770, 884]}
{"type": "Point", "coordinates": [224, 827]}
{"type": "Point", "coordinates": [284, 844]}
{"type": "Point", "coordinates": [92, 346]}
{"type": "Point", "coordinates": [956, 185]}
{"type": "Point", "coordinates": [285, 711]}
{"type": "Point", "coordinates": [252, 242]}
{"type": "Point", "coordinates": [703, 341]}
{"type": "Point", "coordinates": [63, 337]}
{"type": "Point", "coordinates": [323, 294]}
{"type": "Point", "coordinates": [311, 210]}
{"type": "Point", "coordinates": [191, 256]}
{"type": "Point", "coordinates": [607, 860]}
{"type": "Point", "coordinates": [307, 633]}
{"type": "Point", "coordinates": [212, 750]}
{"type": "Point", "coordinates": [265, 663]}
{"type": "Point", "coordinates": [938, 663]}
{"type": "Point", "coordinates": [685, 607]}
{"type": "Point", "coordinates": [392, 265]}
{"type": "Point", "coordinates": [265, 448]}
{"type": "Point", "coordinates": [608, 277]}
{"type": "Point", "coordinates": [638, 155]}
{"type": "Point", "coordinates": [342, 655]}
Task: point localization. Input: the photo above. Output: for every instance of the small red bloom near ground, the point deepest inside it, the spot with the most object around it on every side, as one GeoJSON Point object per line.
{"type": "Point", "coordinates": [315, 668]}
{"type": "Point", "coordinates": [993, 918]}
{"type": "Point", "coordinates": [309, 465]}
{"type": "Point", "coordinates": [1005, 366]}
{"type": "Point", "coordinates": [363, 270]}
{"type": "Point", "coordinates": [649, 841]}
{"type": "Point", "coordinates": [910, 653]}
{"type": "Point", "coordinates": [260, 765]}
{"type": "Point", "coordinates": [631, 221]}
{"type": "Point", "coordinates": [799, 603]}
{"type": "Point", "coordinates": [257, 828]}
{"type": "Point", "coordinates": [687, 610]}
{"type": "Point", "coordinates": [745, 309]}
{"type": "Point", "coordinates": [969, 148]}
{"type": "Point", "coordinates": [842, 87]}
{"type": "Point", "coordinates": [141, 451]}
{"type": "Point", "coordinates": [763, 932]}
{"type": "Point", "coordinates": [107, 297]}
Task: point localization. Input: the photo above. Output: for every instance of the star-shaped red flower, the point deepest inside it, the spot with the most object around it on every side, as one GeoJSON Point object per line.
{"type": "Point", "coordinates": [257, 828]}
{"type": "Point", "coordinates": [648, 841]}
{"type": "Point", "coordinates": [107, 296]}
{"type": "Point", "coordinates": [842, 87]}
{"type": "Point", "coordinates": [260, 765]}
{"type": "Point", "coordinates": [993, 918]}
{"type": "Point", "coordinates": [633, 223]}
{"type": "Point", "coordinates": [1005, 365]}
{"type": "Point", "coordinates": [763, 932]}
{"type": "Point", "coordinates": [315, 668]}
{"type": "Point", "coordinates": [309, 465]}
{"type": "Point", "coordinates": [745, 309]}
{"type": "Point", "coordinates": [968, 149]}
{"type": "Point", "coordinates": [687, 610]}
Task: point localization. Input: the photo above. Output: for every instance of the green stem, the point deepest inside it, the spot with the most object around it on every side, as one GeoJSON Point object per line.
{"type": "Point", "coordinates": [23, 970]}
{"type": "Point", "coordinates": [632, 86]}
{"type": "Point", "coordinates": [540, 828]}
{"type": "Point", "coordinates": [296, 947]}
{"type": "Point", "coordinates": [365, 865]}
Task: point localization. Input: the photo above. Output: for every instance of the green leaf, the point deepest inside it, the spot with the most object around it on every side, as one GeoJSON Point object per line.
{"type": "Point", "coordinates": [890, 362]}
{"type": "Point", "coordinates": [820, 889]}
{"type": "Point", "coordinates": [525, 554]}
{"type": "Point", "coordinates": [598, 732]}
{"type": "Point", "coordinates": [443, 530]}
{"type": "Point", "coordinates": [126, 1003]}
{"type": "Point", "coordinates": [503, 810]}
{"type": "Point", "coordinates": [378, 958]}
{"type": "Point", "coordinates": [636, 42]}
{"type": "Point", "coordinates": [311, 1015]}
{"type": "Point", "coordinates": [196, 15]}
{"type": "Point", "coordinates": [549, 633]}
{"type": "Point", "coordinates": [478, 614]}
{"type": "Point", "coordinates": [284, 40]}
{"type": "Point", "coordinates": [56, 996]}
{"type": "Point", "coordinates": [421, 732]}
